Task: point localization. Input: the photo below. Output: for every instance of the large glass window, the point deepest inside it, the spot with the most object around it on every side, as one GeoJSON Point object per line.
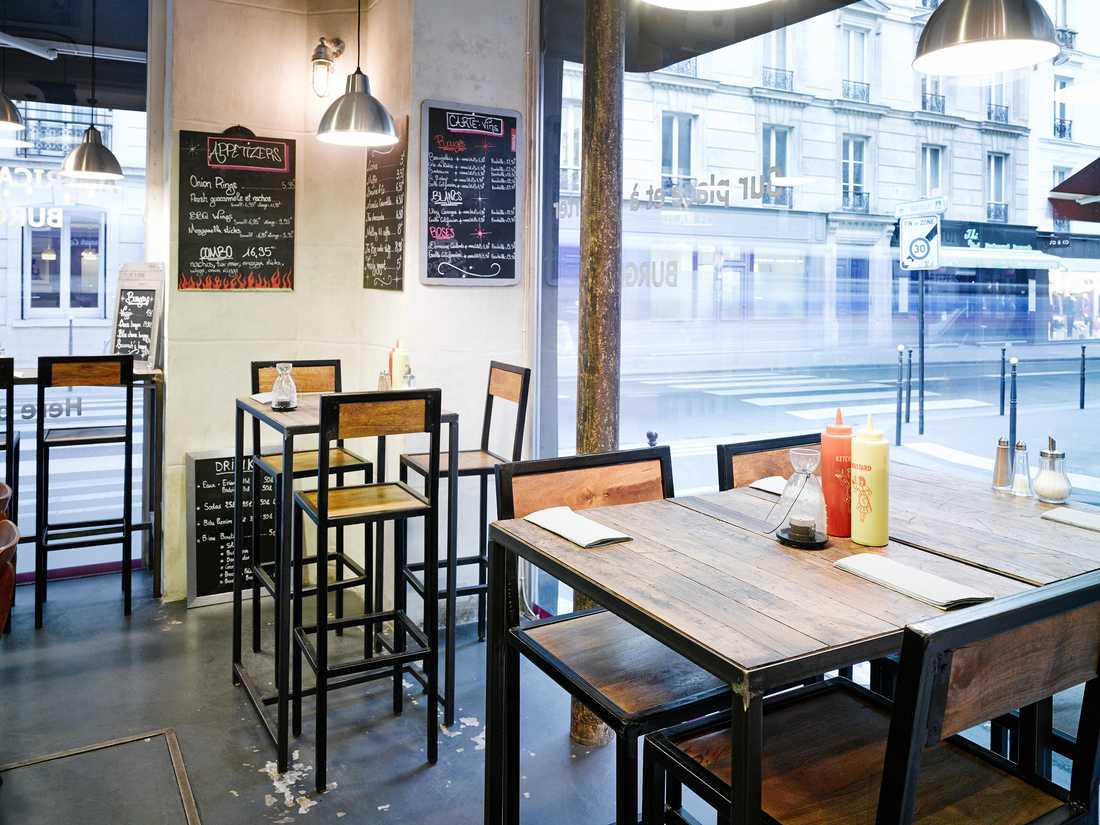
{"type": "Point", "coordinates": [65, 269]}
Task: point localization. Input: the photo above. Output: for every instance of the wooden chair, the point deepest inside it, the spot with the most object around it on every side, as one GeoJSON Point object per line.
{"type": "Point", "coordinates": [631, 682]}
{"type": "Point", "coordinates": [837, 753]}
{"type": "Point", "coordinates": [743, 462]}
{"type": "Point", "coordinates": [366, 415]}
{"type": "Point", "coordinates": [9, 541]}
{"type": "Point", "coordinates": [309, 376]}
{"type": "Point", "coordinates": [507, 383]}
{"type": "Point", "coordinates": [83, 371]}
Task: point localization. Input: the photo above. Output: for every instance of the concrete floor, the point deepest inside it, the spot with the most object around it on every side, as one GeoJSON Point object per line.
{"type": "Point", "coordinates": [92, 675]}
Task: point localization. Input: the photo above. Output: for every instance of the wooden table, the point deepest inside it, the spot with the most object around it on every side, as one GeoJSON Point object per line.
{"type": "Point", "coordinates": [152, 380]}
{"type": "Point", "coordinates": [306, 420]}
{"type": "Point", "coordinates": [754, 613]}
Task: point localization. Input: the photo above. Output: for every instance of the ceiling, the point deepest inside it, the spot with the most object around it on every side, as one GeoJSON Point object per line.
{"type": "Point", "coordinates": [120, 24]}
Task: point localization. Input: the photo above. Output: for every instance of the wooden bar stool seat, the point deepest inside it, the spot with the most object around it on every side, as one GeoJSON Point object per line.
{"type": "Point", "coordinates": [365, 502]}
{"type": "Point", "coordinates": [610, 662]}
{"type": "Point", "coordinates": [470, 462]}
{"type": "Point", "coordinates": [306, 462]}
{"type": "Point", "coordinates": [76, 436]}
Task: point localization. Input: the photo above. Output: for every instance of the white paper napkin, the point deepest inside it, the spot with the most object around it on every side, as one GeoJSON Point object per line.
{"type": "Point", "coordinates": [261, 397]}
{"type": "Point", "coordinates": [770, 484]}
{"type": "Point", "coordinates": [1074, 518]}
{"type": "Point", "coordinates": [582, 531]}
{"type": "Point", "coordinates": [926, 587]}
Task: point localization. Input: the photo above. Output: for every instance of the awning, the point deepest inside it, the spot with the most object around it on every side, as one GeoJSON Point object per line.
{"type": "Point", "coordinates": [1080, 264]}
{"type": "Point", "coordinates": [1077, 198]}
{"type": "Point", "coordinates": [982, 258]}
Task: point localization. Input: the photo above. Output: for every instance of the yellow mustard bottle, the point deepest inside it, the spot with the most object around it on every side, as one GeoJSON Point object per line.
{"type": "Point", "coordinates": [870, 486]}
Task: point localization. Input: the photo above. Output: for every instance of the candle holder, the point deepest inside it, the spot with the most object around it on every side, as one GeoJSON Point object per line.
{"type": "Point", "coordinates": [284, 394]}
{"type": "Point", "coordinates": [803, 522]}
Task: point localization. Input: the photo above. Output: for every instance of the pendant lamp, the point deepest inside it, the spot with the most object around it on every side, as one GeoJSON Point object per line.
{"type": "Point", "coordinates": [970, 37]}
{"type": "Point", "coordinates": [357, 118]}
{"type": "Point", "coordinates": [705, 5]}
{"type": "Point", "coordinates": [91, 160]}
{"type": "Point", "coordinates": [10, 119]}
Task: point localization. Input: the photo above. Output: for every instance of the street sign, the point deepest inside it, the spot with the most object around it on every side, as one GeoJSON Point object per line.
{"type": "Point", "coordinates": [928, 206]}
{"type": "Point", "coordinates": [919, 245]}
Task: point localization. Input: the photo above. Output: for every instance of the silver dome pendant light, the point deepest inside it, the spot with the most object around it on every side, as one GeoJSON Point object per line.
{"type": "Point", "coordinates": [90, 160]}
{"type": "Point", "coordinates": [972, 37]}
{"type": "Point", "coordinates": [357, 118]}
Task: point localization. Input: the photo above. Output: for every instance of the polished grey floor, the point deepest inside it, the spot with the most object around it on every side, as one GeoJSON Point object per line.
{"type": "Point", "coordinates": [92, 675]}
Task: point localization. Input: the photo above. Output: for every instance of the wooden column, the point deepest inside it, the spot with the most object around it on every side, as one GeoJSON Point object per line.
{"type": "Point", "coordinates": [601, 260]}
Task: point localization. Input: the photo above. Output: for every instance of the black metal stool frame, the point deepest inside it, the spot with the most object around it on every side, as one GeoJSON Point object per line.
{"type": "Point", "coordinates": [11, 453]}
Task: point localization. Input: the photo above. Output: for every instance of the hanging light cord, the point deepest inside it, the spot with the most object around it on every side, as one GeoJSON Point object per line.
{"type": "Point", "coordinates": [92, 100]}
{"type": "Point", "coordinates": [358, 34]}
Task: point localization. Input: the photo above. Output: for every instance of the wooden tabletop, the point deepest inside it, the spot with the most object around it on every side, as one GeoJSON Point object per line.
{"type": "Point", "coordinates": [747, 608]}
{"type": "Point", "coordinates": [305, 418]}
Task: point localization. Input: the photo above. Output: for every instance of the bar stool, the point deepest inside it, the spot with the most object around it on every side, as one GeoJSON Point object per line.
{"type": "Point", "coordinates": [83, 371]}
{"type": "Point", "coordinates": [509, 383]}
{"type": "Point", "coordinates": [367, 415]}
{"type": "Point", "coordinates": [309, 377]}
{"type": "Point", "coordinates": [9, 438]}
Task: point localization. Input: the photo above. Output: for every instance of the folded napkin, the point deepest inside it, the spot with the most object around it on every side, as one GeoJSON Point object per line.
{"type": "Point", "coordinates": [575, 528]}
{"type": "Point", "coordinates": [1074, 518]}
{"type": "Point", "coordinates": [771, 484]}
{"type": "Point", "coordinates": [926, 587]}
{"type": "Point", "coordinates": [261, 397]}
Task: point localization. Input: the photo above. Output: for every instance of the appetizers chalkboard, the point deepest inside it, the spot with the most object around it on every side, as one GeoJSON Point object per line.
{"type": "Point", "coordinates": [472, 194]}
{"type": "Point", "coordinates": [210, 486]}
{"type": "Point", "coordinates": [384, 216]}
{"type": "Point", "coordinates": [236, 212]}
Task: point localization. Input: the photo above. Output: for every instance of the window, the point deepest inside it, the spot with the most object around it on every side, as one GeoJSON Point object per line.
{"type": "Point", "coordinates": [931, 158]}
{"type": "Point", "coordinates": [775, 49]}
{"type": "Point", "coordinates": [64, 268]}
{"type": "Point", "coordinates": [774, 157]}
{"type": "Point", "coordinates": [676, 150]}
{"type": "Point", "coordinates": [996, 205]}
{"type": "Point", "coordinates": [856, 54]}
{"type": "Point", "coordinates": [1062, 124]}
{"type": "Point", "coordinates": [852, 164]}
{"type": "Point", "coordinates": [931, 96]}
{"type": "Point", "coordinates": [1061, 13]}
{"type": "Point", "coordinates": [1060, 175]}
{"type": "Point", "coordinates": [570, 159]}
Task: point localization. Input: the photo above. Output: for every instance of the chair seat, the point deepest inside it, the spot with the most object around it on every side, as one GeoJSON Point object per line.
{"type": "Point", "coordinates": [306, 462]}
{"type": "Point", "coordinates": [65, 436]}
{"type": "Point", "coordinates": [636, 674]}
{"type": "Point", "coordinates": [823, 762]}
{"type": "Point", "coordinates": [365, 501]}
{"type": "Point", "coordinates": [470, 462]}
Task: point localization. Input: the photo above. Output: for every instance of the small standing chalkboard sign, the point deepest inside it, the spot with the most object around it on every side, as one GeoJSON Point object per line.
{"type": "Point", "coordinates": [210, 556]}
{"type": "Point", "coordinates": [137, 312]}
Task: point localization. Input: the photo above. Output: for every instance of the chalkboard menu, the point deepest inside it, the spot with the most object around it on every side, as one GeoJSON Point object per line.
{"type": "Point", "coordinates": [384, 224]}
{"type": "Point", "coordinates": [236, 212]}
{"type": "Point", "coordinates": [472, 195]}
{"type": "Point", "coordinates": [137, 312]}
{"type": "Point", "coordinates": [210, 485]}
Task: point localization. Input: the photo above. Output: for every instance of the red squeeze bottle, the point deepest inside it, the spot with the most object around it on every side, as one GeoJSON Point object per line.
{"type": "Point", "coordinates": [836, 467]}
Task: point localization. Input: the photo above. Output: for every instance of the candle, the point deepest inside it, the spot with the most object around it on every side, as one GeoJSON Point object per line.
{"type": "Point", "coordinates": [836, 478]}
{"type": "Point", "coordinates": [870, 495]}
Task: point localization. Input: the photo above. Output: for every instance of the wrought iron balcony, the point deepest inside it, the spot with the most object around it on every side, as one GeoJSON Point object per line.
{"type": "Point", "coordinates": [854, 201]}
{"type": "Point", "coordinates": [779, 196]}
{"type": "Point", "coordinates": [1061, 225]}
{"type": "Point", "coordinates": [855, 90]}
{"type": "Point", "coordinates": [1067, 38]}
{"type": "Point", "coordinates": [996, 212]}
{"type": "Point", "coordinates": [782, 79]}
{"type": "Point", "coordinates": [56, 138]}
{"type": "Point", "coordinates": [687, 68]}
{"type": "Point", "coordinates": [997, 113]}
{"type": "Point", "coordinates": [930, 4]}
{"type": "Point", "coordinates": [933, 103]}
{"type": "Point", "coordinates": [1063, 128]}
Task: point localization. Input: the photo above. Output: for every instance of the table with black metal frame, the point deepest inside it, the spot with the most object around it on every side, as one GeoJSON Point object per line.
{"type": "Point", "coordinates": [305, 421]}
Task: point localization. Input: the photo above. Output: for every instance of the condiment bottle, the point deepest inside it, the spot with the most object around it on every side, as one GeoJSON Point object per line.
{"type": "Point", "coordinates": [870, 497]}
{"type": "Point", "coordinates": [1052, 483]}
{"type": "Point", "coordinates": [399, 366]}
{"type": "Point", "coordinates": [836, 476]}
{"type": "Point", "coordinates": [1021, 472]}
{"type": "Point", "coordinates": [1002, 466]}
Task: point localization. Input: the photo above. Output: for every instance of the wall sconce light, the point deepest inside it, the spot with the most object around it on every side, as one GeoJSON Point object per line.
{"type": "Point", "coordinates": [324, 60]}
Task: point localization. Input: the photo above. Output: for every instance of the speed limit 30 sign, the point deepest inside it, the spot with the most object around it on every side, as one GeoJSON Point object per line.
{"type": "Point", "coordinates": [919, 245]}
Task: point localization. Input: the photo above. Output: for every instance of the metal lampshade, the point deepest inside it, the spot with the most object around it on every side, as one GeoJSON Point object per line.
{"type": "Point", "coordinates": [356, 118]}
{"type": "Point", "coordinates": [970, 37]}
{"type": "Point", "coordinates": [10, 119]}
{"type": "Point", "coordinates": [91, 160]}
{"type": "Point", "coordinates": [705, 5]}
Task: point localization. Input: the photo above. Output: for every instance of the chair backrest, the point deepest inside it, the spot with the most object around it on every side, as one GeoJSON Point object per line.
{"type": "Point", "coordinates": [309, 376]}
{"type": "Point", "coordinates": [584, 481]}
{"type": "Point", "coordinates": [744, 462]}
{"type": "Point", "coordinates": [511, 383]}
{"type": "Point", "coordinates": [85, 371]}
{"type": "Point", "coordinates": [9, 540]}
{"type": "Point", "coordinates": [960, 670]}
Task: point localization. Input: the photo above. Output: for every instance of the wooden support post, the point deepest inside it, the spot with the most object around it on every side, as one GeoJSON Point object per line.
{"type": "Point", "coordinates": [601, 260]}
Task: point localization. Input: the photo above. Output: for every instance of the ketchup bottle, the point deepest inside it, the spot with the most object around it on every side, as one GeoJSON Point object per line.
{"type": "Point", "coordinates": [836, 484]}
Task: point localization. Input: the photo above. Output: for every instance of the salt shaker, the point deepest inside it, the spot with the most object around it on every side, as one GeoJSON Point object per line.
{"type": "Point", "coordinates": [1021, 472]}
{"type": "Point", "coordinates": [1052, 483]}
{"type": "Point", "coordinates": [1002, 467]}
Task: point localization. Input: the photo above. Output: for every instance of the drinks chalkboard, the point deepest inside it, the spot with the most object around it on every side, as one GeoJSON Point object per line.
{"type": "Point", "coordinates": [384, 222]}
{"type": "Point", "coordinates": [210, 485]}
{"type": "Point", "coordinates": [472, 194]}
{"type": "Point", "coordinates": [236, 212]}
{"type": "Point", "coordinates": [137, 312]}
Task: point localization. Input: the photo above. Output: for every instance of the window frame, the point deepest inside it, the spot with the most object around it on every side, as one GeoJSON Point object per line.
{"type": "Point", "coordinates": [996, 174]}
{"type": "Point", "coordinates": [64, 264]}
{"type": "Point", "coordinates": [851, 31]}
{"type": "Point", "coordinates": [675, 177]}
{"type": "Point", "coordinates": [926, 152]}
{"type": "Point", "coordinates": [849, 166]}
{"type": "Point", "coordinates": [571, 127]}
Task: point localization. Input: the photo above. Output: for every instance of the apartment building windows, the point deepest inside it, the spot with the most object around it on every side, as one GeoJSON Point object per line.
{"type": "Point", "coordinates": [570, 158]}
{"type": "Point", "coordinates": [1063, 126]}
{"type": "Point", "coordinates": [775, 74]}
{"type": "Point", "coordinates": [931, 167]}
{"type": "Point", "coordinates": [931, 95]}
{"type": "Point", "coordinates": [996, 192]}
{"type": "Point", "coordinates": [676, 149]}
{"type": "Point", "coordinates": [774, 156]}
{"type": "Point", "coordinates": [854, 195]}
{"type": "Point", "coordinates": [854, 85]}
{"type": "Point", "coordinates": [997, 100]}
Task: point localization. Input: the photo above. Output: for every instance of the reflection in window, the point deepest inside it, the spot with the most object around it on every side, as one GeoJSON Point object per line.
{"type": "Point", "coordinates": [570, 160]}
{"type": "Point", "coordinates": [676, 151]}
{"type": "Point", "coordinates": [45, 269]}
{"type": "Point", "coordinates": [931, 171]}
{"type": "Point", "coordinates": [65, 268]}
{"type": "Point", "coordinates": [996, 207]}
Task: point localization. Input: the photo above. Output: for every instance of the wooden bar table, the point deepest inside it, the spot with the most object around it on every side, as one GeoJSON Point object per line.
{"type": "Point", "coordinates": [152, 521]}
{"type": "Point", "coordinates": [303, 421]}
{"type": "Point", "coordinates": [756, 614]}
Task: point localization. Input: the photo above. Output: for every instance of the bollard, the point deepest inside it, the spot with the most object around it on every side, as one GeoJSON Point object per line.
{"type": "Point", "coordinates": [909, 386]}
{"type": "Point", "coordinates": [1012, 409]}
{"type": "Point", "coordinates": [1082, 405]}
{"type": "Point", "coordinates": [897, 419]}
{"type": "Point", "coordinates": [1003, 348]}
{"type": "Point", "coordinates": [651, 437]}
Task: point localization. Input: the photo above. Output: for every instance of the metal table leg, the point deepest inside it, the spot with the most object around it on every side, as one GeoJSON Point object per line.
{"type": "Point", "coordinates": [452, 573]}
{"type": "Point", "coordinates": [283, 553]}
{"type": "Point", "coordinates": [502, 694]}
{"type": "Point", "coordinates": [747, 738]}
